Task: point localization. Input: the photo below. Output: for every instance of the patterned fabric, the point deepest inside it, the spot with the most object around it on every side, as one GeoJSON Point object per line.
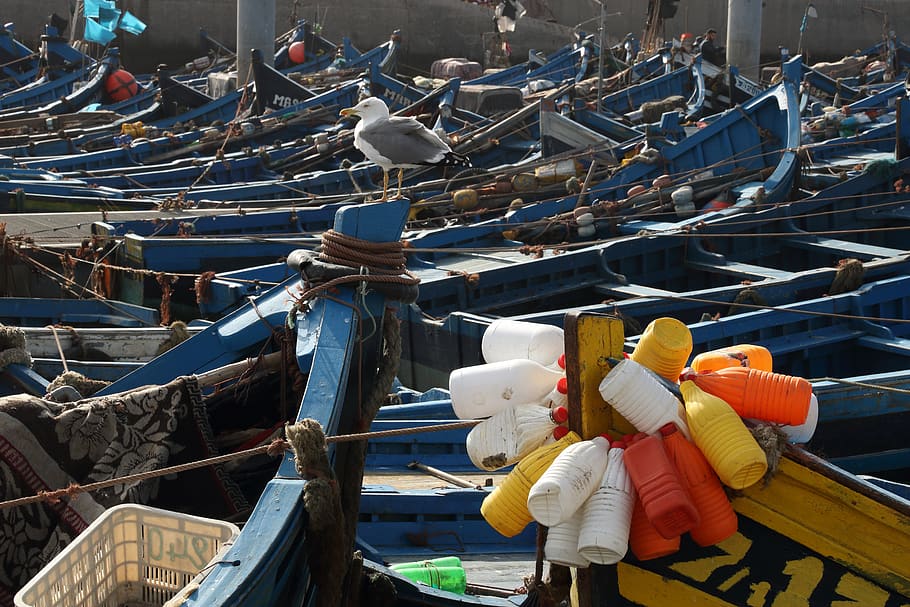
{"type": "Point", "coordinates": [46, 446]}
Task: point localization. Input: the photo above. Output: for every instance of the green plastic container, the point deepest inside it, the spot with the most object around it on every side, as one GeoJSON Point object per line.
{"type": "Point", "coordinates": [452, 579]}
{"type": "Point", "coordinates": [444, 561]}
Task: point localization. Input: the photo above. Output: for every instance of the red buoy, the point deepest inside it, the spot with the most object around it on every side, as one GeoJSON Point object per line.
{"type": "Point", "coordinates": [121, 86]}
{"type": "Point", "coordinates": [297, 52]}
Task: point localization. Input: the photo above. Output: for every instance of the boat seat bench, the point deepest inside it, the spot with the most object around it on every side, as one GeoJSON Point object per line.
{"type": "Point", "coordinates": [810, 339]}
{"type": "Point", "coordinates": [842, 247]}
{"type": "Point", "coordinates": [743, 270]}
{"type": "Point", "coordinates": [633, 290]}
{"type": "Point", "coordinates": [900, 346]}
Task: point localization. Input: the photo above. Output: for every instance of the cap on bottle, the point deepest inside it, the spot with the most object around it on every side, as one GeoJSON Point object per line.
{"type": "Point", "coordinates": [560, 415]}
{"type": "Point", "coordinates": [617, 444]}
{"type": "Point", "coordinates": [687, 374]}
{"type": "Point", "coordinates": [561, 361]}
{"type": "Point", "coordinates": [634, 438]}
{"type": "Point", "coordinates": [668, 428]}
{"type": "Point", "coordinates": [559, 432]}
{"type": "Point", "coordinates": [562, 386]}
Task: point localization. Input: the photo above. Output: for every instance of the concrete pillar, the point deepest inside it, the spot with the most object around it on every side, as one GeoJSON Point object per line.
{"type": "Point", "coordinates": [255, 30]}
{"type": "Point", "coordinates": [744, 36]}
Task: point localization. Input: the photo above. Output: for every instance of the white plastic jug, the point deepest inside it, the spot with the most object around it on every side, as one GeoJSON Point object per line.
{"type": "Point", "coordinates": [641, 399]}
{"type": "Point", "coordinates": [559, 395]}
{"type": "Point", "coordinates": [511, 434]}
{"type": "Point", "coordinates": [561, 546]}
{"type": "Point", "coordinates": [484, 390]}
{"type": "Point", "coordinates": [803, 432]}
{"type": "Point", "coordinates": [570, 480]}
{"type": "Point", "coordinates": [506, 339]}
{"type": "Point", "coordinates": [606, 516]}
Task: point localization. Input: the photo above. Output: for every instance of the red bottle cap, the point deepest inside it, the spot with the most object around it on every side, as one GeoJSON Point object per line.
{"type": "Point", "coordinates": [562, 386]}
{"type": "Point", "coordinates": [668, 429]}
{"type": "Point", "coordinates": [617, 444]}
{"type": "Point", "coordinates": [626, 355]}
{"type": "Point", "coordinates": [561, 361]}
{"type": "Point", "coordinates": [560, 415]}
{"type": "Point", "coordinates": [559, 432]}
{"type": "Point", "coordinates": [634, 438]}
{"type": "Point", "coordinates": [687, 374]}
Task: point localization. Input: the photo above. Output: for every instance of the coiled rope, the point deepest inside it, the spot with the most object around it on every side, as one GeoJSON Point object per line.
{"type": "Point", "coordinates": [375, 262]}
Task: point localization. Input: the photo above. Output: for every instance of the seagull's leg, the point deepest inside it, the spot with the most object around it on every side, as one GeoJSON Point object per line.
{"type": "Point", "coordinates": [385, 186]}
{"type": "Point", "coordinates": [400, 174]}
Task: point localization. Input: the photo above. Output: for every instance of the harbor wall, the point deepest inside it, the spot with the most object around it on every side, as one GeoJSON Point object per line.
{"type": "Point", "coordinates": [455, 28]}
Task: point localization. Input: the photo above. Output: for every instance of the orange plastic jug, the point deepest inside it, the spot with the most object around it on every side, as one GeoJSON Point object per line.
{"type": "Point", "coordinates": [741, 355]}
{"type": "Point", "coordinates": [644, 540]}
{"type": "Point", "coordinates": [723, 438]}
{"type": "Point", "coordinates": [664, 347]}
{"type": "Point", "coordinates": [657, 483]}
{"type": "Point", "coordinates": [717, 519]}
{"type": "Point", "coordinates": [756, 394]}
{"type": "Point", "coordinates": [506, 507]}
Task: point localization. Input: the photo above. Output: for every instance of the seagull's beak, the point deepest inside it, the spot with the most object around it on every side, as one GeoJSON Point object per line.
{"type": "Point", "coordinates": [348, 111]}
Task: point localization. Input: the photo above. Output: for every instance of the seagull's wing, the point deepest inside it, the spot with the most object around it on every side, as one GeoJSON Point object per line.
{"type": "Point", "coordinates": [404, 142]}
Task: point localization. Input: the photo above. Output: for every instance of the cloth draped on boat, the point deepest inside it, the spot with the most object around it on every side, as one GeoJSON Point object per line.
{"type": "Point", "coordinates": [46, 446]}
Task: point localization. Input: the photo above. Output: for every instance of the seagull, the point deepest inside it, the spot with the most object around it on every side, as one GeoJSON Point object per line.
{"type": "Point", "coordinates": [398, 142]}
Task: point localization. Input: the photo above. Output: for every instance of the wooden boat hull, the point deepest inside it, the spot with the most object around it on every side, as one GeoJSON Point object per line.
{"type": "Point", "coordinates": [791, 548]}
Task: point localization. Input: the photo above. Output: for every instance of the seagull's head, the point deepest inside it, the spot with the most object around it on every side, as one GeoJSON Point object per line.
{"type": "Point", "coordinates": [368, 110]}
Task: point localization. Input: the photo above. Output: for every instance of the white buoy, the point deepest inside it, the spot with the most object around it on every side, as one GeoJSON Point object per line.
{"type": "Point", "coordinates": [561, 546]}
{"type": "Point", "coordinates": [606, 516]}
{"type": "Point", "coordinates": [569, 481]}
{"type": "Point", "coordinates": [641, 399]}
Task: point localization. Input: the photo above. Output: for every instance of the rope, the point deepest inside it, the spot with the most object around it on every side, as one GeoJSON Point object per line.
{"type": "Point", "coordinates": [275, 448]}
{"type": "Point", "coordinates": [377, 262]}
{"type": "Point", "coordinates": [861, 384]}
{"type": "Point", "coordinates": [59, 348]}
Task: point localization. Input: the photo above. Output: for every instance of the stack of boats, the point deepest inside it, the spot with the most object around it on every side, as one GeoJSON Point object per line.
{"type": "Point", "coordinates": [226, 247]}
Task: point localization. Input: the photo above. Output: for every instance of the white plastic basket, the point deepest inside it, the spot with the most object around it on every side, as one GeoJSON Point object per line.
{"type": "Point", "coordinates": [131, 556]}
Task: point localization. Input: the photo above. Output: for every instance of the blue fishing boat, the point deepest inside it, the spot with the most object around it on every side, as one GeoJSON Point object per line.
{"type": "Point", "coordinates": [28, 83]}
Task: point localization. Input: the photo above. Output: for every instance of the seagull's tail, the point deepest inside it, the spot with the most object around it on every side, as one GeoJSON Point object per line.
{"type": "Point", "coordinates": [455, 159]}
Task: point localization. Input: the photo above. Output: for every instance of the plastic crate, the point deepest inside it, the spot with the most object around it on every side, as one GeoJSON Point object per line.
{"type": "Point", "coordinates": [131, 556]}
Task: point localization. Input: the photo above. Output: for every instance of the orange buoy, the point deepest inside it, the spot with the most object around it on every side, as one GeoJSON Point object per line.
{"type": "Point", "coordinates": [644, 540]}
{"type": "Point", "coordinates": [740, 355]}
{"type": "Point", "coordinates": [121, 85]}
{"type": "Point", "coordinates": [756, 394]}
{"type": "Point", "coordinates": [717, 519]}
{"type": "Point", "coordinates": [297, 52]}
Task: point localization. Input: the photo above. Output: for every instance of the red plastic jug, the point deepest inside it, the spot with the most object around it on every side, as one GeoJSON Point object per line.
{"type": "Point", "coordinates": [665, 500]}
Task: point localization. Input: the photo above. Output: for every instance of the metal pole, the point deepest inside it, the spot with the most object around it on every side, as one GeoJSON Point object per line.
{"type": "Point", "coordinates": [600, 55]}
{"type": "Point", "coordinates": [744, 36]}
{"type": "Point", "coordinates": [255, 30]}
